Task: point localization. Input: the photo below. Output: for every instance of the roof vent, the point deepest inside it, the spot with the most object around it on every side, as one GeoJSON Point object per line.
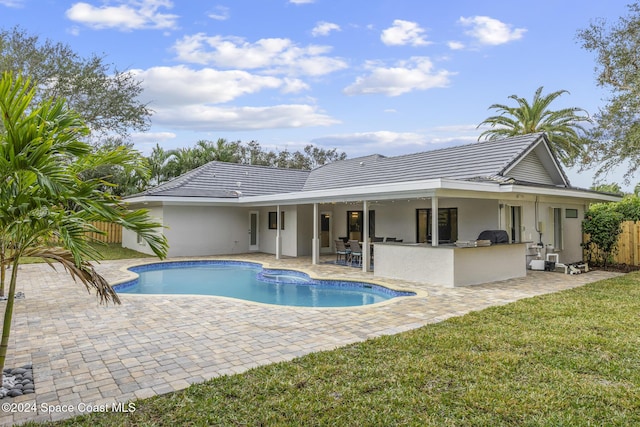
{"type": "Point", "coordinates": [239, 184]}
{"type": "Point", "coordinates": [361, 163]}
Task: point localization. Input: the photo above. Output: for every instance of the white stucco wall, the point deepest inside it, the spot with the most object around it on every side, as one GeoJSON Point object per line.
{"type": "Point", "coordinates": [130, 239]}
{"type": "Point", "coordinates": [288, 236]}
{"type": "Point", "coordinates": [449, 266]}
{"type": "Point", "coordinates": [203, 230]}
{"type": "Point", "coordinates": [571, 250]}
{"type": "Point", "coordinates": [196, 231]}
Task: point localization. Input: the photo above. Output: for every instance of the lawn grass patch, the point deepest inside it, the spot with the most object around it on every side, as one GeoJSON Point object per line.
{"type": "Point", "coordinates": [569, 358]}
{"type": "Point", "coordinates": [108, 251]}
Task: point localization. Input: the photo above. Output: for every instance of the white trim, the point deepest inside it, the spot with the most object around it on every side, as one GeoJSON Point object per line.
{"type": "Point", "coordinates": [400, 190]}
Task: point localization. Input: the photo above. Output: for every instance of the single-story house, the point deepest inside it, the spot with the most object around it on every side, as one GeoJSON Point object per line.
{"type": "Point", "coordinates": [427, 200]}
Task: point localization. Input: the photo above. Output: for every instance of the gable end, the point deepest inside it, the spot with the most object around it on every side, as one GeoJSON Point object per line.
{"type": "Point", "coordinates": [531, 169]}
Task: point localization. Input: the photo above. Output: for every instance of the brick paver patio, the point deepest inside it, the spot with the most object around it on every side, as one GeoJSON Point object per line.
{"type": "Point", "coordinates": [85, 354]}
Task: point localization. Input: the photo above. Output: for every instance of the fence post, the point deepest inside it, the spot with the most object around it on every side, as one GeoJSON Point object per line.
{"type": "Point", "coordinates": [636, 249]}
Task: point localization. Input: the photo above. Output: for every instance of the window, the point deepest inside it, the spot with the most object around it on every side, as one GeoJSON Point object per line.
{"type": "Point", "coordinates": [355, 225]}
{"type": "Point", "coordinates": [273, 220]}
{"type": "Point", "coordinates": [139, 239]}
{"type": "Point", "coordinates": [447, 225]}
{"type": "Point", "coordinates": [571, 213]}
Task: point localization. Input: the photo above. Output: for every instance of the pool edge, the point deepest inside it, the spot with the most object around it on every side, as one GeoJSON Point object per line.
{"type": "Point", "coordinates": [265, 265]}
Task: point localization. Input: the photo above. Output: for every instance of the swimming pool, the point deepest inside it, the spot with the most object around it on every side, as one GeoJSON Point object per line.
{"type": "Point", "coordinates": [250, 281]}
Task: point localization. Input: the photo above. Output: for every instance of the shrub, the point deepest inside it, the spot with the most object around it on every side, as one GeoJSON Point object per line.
{"type": "Point", "coordinates": [602, 224]}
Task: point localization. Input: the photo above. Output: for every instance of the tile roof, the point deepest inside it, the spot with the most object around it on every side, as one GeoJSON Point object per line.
{"type": "Point", "coordinates": [481, 162]}
{"type": "Point", "coordinates": [231, 180]}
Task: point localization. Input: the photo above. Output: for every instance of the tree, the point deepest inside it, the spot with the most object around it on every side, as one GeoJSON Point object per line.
{"type": "Point", "coordinates": [320, 156]}
{"type": "Point", "coordinates": [106, 99]}
{"type": "Point", "coordinates": [613, 188]}
{"type": "Point", "coordinates": [563, 127]}
{"type": "Point", "coordinates": [122, 178]}
{"type": "Point", "coordinates": [616, 136]}
{"type": "Point", "coordinates": [46, 210]}
{"type": "Point", "coordinates": [157, 162]}
{"type": "Point", "coordinates": [169, 164]}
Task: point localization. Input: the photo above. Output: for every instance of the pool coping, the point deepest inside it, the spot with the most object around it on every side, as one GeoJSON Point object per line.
{"type": "Point", "coordinates": [267, 266]}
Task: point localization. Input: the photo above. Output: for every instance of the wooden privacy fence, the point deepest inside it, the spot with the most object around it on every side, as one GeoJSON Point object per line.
{"type": "Point", "coordinates": [114, 232]}
{"type": "Point", "coordinates": [628, 244]}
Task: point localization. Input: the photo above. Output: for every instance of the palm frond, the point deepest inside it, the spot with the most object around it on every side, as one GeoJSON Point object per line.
{"type": "Point", "coordinates": [83, 272]}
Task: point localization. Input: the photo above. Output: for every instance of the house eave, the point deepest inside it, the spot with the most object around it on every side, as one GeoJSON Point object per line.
{"type": "Point", "coordinates": [413, 189]}
{"type": "Point", "coordinates": [591, 196]}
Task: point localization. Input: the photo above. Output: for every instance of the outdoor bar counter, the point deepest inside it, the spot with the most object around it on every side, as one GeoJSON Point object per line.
{"type": "Point", "coordinates": [448, 265]}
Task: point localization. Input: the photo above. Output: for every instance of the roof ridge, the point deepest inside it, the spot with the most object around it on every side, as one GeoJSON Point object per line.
{"type": "Point", "coordinates": [180, 179]}
{"type": "Point", "coordinates": [470, 144]}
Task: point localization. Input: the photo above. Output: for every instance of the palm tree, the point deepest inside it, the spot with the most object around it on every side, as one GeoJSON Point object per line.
{"type": "Point", "coordinates": [563, 127]}
{"type": "Point", "coordinates": [46, 209]}
{"type": "Point", "coordinates": [158, 164]}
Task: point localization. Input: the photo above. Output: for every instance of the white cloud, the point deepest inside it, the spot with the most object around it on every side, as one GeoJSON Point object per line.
{"type": "Point", "coordinates": [131, 15]}
{"type": "Point", "coordinates": [294, 85]}
{"type": "Point", "coordinates": [378, 142]}
{"type": "Point", "coordinates": [145, 141]}
{"type": "Point", "coordinates": [273, 55]}
{"type": "Point", "coordinates": [221, 13]}
{"type": "Point", "coordinates": [414, 74]}
{"type": "Point", "coordinates": [209, 118]}
{"type": "Point", "coordinates": [455, 45]}
{"type": "Point", "coordinates": [391, 143]}
{"type": "Point", "coordinates": [323, 28]}
{"type": "Point", "coordinates": [490, 31]}
{"type": "Point", "coordinates": [403, 33]}
{"type": "Point", "coordinates": [12, 3]}
{"type": "Point", "coordinates": [183, 98]}
{"type": "Point", "coordinates": [180, 85]}
{"type": "Point", "coordinates": [301, 1]}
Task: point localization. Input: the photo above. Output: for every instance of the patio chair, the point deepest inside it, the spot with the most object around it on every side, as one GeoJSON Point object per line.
{"type": "Point", "coordinates": [356, 251]}
{"type": "Point", "coordinates": [342, 251]}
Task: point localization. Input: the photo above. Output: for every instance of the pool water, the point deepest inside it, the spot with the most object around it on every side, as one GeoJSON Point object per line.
{"type": "Point", "coordinates": [249, 281]}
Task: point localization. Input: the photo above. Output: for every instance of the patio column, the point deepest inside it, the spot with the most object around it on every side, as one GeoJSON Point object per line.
{"type": "Point", "coordinates": [278, 237]}
{"type": "Point", "coordinates": [365, 236]}
{"type": "Point", "coordinates": [434, 221]}
{"type": "Point", "coordinates": [315, 249]}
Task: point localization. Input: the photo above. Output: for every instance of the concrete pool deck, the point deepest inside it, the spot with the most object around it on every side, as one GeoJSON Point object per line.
{"type": "Point", "coordinates": [85, 354]}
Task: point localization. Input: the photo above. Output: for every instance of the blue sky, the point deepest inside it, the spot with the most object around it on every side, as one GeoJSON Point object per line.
{"type": "Point", "coordinates": [363, 76]}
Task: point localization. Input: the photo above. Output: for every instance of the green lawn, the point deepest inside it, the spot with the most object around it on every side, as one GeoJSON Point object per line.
{"type": "Point", "coordinates": [109, 251]}
{"type": "Point", "coordinates": [566, 359]}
